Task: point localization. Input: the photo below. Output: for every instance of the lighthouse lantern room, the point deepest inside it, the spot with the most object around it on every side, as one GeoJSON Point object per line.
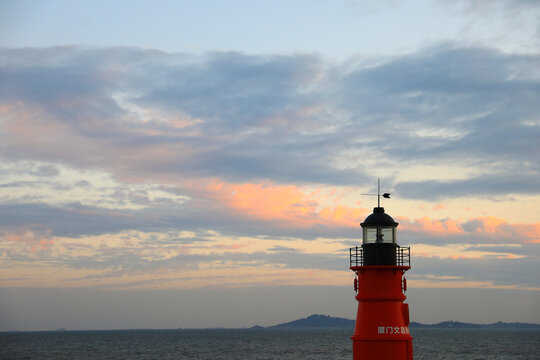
{"type": "Point", "coordinates": [382, 321]}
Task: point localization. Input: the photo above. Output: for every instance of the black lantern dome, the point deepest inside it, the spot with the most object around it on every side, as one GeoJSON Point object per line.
{"type": "Point", "coordinates": [379, 238]}
{"type": "Point", "coordinates": [379, 217]}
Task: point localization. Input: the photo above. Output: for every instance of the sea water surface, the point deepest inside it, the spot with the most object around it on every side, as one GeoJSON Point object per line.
{"type": "Point", "coordinates": [433, 344]}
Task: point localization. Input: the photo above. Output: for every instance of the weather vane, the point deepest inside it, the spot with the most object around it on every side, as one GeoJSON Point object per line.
{"type": "Point", "coordinates": [378, 194]}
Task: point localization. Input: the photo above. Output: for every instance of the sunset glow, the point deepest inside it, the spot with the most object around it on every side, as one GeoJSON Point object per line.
{"type": "Point", "coordinates": [221, 157]}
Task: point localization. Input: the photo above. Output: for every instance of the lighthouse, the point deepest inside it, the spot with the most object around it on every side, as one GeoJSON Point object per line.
{"type": "Point", "coordinates": [381, 331]}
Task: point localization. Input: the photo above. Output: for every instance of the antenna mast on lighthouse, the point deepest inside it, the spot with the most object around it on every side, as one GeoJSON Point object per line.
{"type": "Point", "coordinates": [378, 194]}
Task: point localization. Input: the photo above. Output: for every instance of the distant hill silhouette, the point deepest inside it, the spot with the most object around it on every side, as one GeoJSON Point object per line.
{"type": "Point", "coordinates": [461, 325]}
{"type": "Point", "coordinates": [325, 321]}
{"type": "Point", "coordinates": [317, 321]}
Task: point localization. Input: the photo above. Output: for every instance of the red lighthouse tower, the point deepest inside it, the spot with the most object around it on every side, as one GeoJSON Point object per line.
{"type": "Point", "coordinates": [382, 321]}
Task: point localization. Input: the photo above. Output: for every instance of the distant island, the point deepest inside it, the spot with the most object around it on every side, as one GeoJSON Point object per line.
{"type": "Point", "coordinates": [462, 325]}
{"type": "Point", "coordinates": [325, 321]}
{"type": "Point", "coordinates": [317, 321]}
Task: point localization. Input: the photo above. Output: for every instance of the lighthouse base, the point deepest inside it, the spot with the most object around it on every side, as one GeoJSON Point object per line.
{"type": "Point", "coordinates": [377, 349]}
{"type": "Point", "coordinates": [382, 321]}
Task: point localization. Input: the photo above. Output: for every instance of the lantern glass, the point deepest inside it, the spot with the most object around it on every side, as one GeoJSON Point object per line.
{"type": "Point", "coordinates": [379, 234]}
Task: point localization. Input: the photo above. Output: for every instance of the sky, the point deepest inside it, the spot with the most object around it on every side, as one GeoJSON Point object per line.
{"type": "Point", "coordinates": [189, 164]}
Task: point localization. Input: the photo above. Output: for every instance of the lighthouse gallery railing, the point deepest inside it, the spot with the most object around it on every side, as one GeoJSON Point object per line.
{"type": "Point", "coordinates": [403, 256]}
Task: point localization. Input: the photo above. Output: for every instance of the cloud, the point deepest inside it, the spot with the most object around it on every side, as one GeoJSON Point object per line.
{"type": "Point", "coordinates": [513, 6]}
{"type": "Point", "coordinates": [509, 271]}
{"type": "Point", "coordinates": [474, 230]}
{"type": "Point", "coordinates": [486, 185]}
{"type": "Point", "coordinates": [243, 90]}
{"type": "Point", "coordinates": [71, 220]}
{"type": "Point", "coordinates": [296, 118]}
{"type": "Point", "coordinates": [449, 103]}
{"type": "Point", "coordinates": [184, 259]}
{"type": "Point", "coordinates": [111, 156]}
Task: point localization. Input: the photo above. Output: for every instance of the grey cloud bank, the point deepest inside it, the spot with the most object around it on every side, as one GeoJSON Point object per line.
{"type": "Point", "coordinates": [180, 123]}
{"type": "Point", "coordinates": [51, 309]}
{"type": "Point", "coordinates": [284, 118]}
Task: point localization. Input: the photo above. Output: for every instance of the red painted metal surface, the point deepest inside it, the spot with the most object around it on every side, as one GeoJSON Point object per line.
{"type": "Point", "coordinates": [382, 321]}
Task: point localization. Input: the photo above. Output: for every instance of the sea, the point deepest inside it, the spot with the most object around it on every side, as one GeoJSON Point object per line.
{"type": "Point", "coordinates": [259, 344]}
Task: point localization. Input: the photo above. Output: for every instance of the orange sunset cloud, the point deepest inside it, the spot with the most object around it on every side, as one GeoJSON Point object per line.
{"type": "Point", "coordinates": [286, 203]}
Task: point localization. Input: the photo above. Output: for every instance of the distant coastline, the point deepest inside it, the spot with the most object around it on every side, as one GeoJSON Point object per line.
{"type": "Point", "coordinates": [325, 321]}
{"type": "Point", "coordinates": [318, 321]}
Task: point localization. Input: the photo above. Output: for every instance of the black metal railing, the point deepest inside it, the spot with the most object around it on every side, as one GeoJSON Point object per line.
{"type": "Point", "coordinates": [403, 256]}
{"type": "Point", "coordinates": [356, 256]}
